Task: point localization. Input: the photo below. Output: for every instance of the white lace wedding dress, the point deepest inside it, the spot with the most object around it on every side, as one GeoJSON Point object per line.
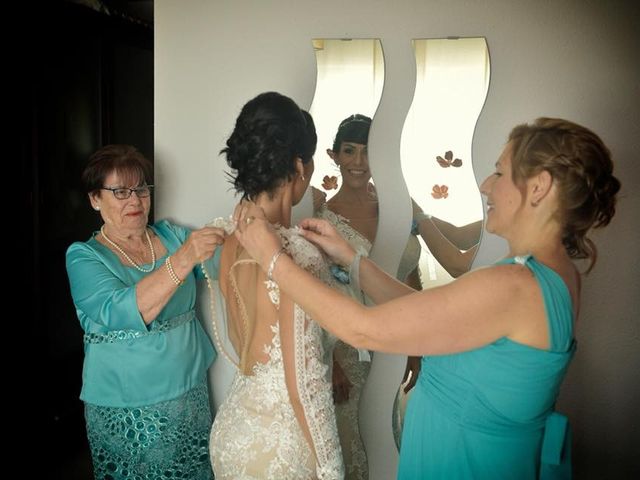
{"type": "Point", "coordinates": [356, 366]}
{"type": "Point", "coordinates": [256, 433]}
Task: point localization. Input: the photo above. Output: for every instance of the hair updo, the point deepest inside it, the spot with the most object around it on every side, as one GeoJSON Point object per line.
{"type": "Point", "coordinates": [355, 129]}
{"type": "Point", "coordinates": [581, 167]}
{"type": "Point", "coordinates": [270, 133]}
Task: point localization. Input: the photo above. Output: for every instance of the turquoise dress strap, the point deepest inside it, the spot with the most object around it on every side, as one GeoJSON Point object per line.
{"type": "Point", "coordinates": [557, 302]}
{"type": "Point", "coordinates": [555, 456]}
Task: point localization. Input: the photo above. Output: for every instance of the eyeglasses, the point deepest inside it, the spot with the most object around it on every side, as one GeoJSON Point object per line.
{"type": "Point", "coordinates": [124, 193]}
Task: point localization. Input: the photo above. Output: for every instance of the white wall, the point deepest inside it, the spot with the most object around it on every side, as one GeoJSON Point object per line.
{"type": "Point", "coordinates": [574, 59]}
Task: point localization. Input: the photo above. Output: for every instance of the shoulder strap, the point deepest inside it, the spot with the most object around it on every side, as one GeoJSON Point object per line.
{"type": "Point", "coordinates": [557, 301]}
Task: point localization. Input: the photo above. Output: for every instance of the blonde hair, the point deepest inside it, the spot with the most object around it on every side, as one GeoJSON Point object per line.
{"type": "Point", "coordinates": [581, 167]}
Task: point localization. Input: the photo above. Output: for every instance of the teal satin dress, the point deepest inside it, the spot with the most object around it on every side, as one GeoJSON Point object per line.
{"type": "Point", "coordinates": [489, 413]}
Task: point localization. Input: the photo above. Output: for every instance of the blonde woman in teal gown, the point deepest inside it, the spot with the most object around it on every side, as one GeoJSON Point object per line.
{"type": "Point", "coordinates": [496, 342]}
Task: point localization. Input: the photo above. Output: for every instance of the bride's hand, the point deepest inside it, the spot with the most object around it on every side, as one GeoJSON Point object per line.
{"type": "Point", "coordinates": [324, 236]}
{"type": "Point", "coordinates": [255, 233]}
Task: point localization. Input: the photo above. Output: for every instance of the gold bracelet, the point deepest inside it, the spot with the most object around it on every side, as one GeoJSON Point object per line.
{"type": "Point", "coordinates": [172, 273]}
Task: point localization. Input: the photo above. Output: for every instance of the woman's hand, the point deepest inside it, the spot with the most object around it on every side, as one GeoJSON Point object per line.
{"type": "Point", "coordinates": [255, 233]}
{"type": "Point", "coordinates": [324, 236]}
{"type": "Point", "coordinates": [200, 245]}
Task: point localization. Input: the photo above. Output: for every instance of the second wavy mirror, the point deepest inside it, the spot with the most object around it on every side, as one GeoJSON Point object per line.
{"type": "Point", "coordinates": [452, 80]}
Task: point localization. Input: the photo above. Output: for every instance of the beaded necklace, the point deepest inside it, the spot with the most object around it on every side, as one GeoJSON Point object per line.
{"type": "Point", "coordinates": [129, 259]}
{"type": "Point", "coordinates": [212, 306]}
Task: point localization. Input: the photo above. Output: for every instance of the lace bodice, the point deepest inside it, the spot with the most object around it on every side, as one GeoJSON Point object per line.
{"type": "Point", "coordinates": [256, 433]}
{"type": "Point", "coordinates": [346, 231]}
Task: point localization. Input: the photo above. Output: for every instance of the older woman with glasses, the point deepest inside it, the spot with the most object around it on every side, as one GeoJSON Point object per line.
{"type": "Point", "coordinates": [146, 354]}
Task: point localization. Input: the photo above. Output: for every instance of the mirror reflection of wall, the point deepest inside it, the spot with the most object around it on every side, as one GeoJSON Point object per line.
{"type": "Point", "coordinates": [452, 80]}
{"type": "Point", "coordinates": [349, 80]}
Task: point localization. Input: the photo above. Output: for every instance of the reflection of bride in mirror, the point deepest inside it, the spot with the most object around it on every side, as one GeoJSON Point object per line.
{"type": "Point", "coordinates": [353, 210]}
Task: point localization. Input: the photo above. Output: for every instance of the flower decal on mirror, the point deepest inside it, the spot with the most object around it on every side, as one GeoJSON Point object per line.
{"type": "Point", "coordinates": [448, 160]}
{"type": "Point", "coordinates": [440, 191]}
{"type": "Point", "coordinates": [330, 183]}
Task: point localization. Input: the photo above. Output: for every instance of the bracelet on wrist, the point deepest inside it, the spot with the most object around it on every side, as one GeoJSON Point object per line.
{"type": "Point", "coordinates": [272, 263]}
{"type": "Point", "coordinates": [418, 218]}
{"type": "Point", "coordinates": [354, 270]}
{"type": "Point", "coordinates": [172, 273]}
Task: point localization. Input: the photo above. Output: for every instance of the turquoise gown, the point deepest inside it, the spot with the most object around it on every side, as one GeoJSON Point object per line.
{"type": "Point", "coordinates": [144, 387]}
{"type": "Point", "coordinates": [489, 413]}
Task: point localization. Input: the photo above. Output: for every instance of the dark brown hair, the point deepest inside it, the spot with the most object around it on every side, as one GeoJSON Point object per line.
{"type": "Point", "coordinates": [270, 133]}
{"type": "Point", "coordinates": [355, 129]}
{"type": "Point", "coordinates": [131, 166]}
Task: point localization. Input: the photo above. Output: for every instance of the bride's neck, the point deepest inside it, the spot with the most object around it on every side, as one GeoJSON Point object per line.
{"type": "Point", "coordinates": [277, 206]}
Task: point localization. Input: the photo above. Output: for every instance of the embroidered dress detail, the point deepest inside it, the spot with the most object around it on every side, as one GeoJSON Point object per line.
{"type": "Point", "coordinates": [355, 363]}
{"type": "Point", "coordinates": [226, 223]}
{"type": "Point", "coordinates": [141, 442]}
{"type": "Point", "coordinates": [156, 327]}
{"type": "Point", "coordinates": [256, 433]}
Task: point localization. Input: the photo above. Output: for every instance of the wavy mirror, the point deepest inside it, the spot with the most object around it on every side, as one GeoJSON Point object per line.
{"type": "Point", "coordinates": [350, 77]}
{"type": "Point", "coordinates": [348, 91]}
{"type": "Point", "coordinates": [452, 80]}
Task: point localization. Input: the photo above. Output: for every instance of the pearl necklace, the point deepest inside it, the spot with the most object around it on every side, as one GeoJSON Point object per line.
{"type": "Point", "coordinates": [212, 305]}
{"type": "Point", "coordinates": [129, 259]}
{"type": "Point", "coordinates": [229, 226]}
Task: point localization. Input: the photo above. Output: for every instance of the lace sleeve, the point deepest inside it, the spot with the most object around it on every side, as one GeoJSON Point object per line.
{"type": "Point", "coordinates": [306, 350]}
{"type": "Point", "coordinates": [314, 389]}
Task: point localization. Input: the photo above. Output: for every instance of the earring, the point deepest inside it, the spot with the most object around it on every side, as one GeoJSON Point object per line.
{"type": "Point", "coordinates": [302, 177]}
{"type": "Point", "coordinates": [96, 208]}
{"type": "Point", "coordinates": [536, 203]}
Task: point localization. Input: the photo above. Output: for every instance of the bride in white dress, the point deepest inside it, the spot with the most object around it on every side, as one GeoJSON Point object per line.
{"type": "Point", "coordinates": [278, 420]}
